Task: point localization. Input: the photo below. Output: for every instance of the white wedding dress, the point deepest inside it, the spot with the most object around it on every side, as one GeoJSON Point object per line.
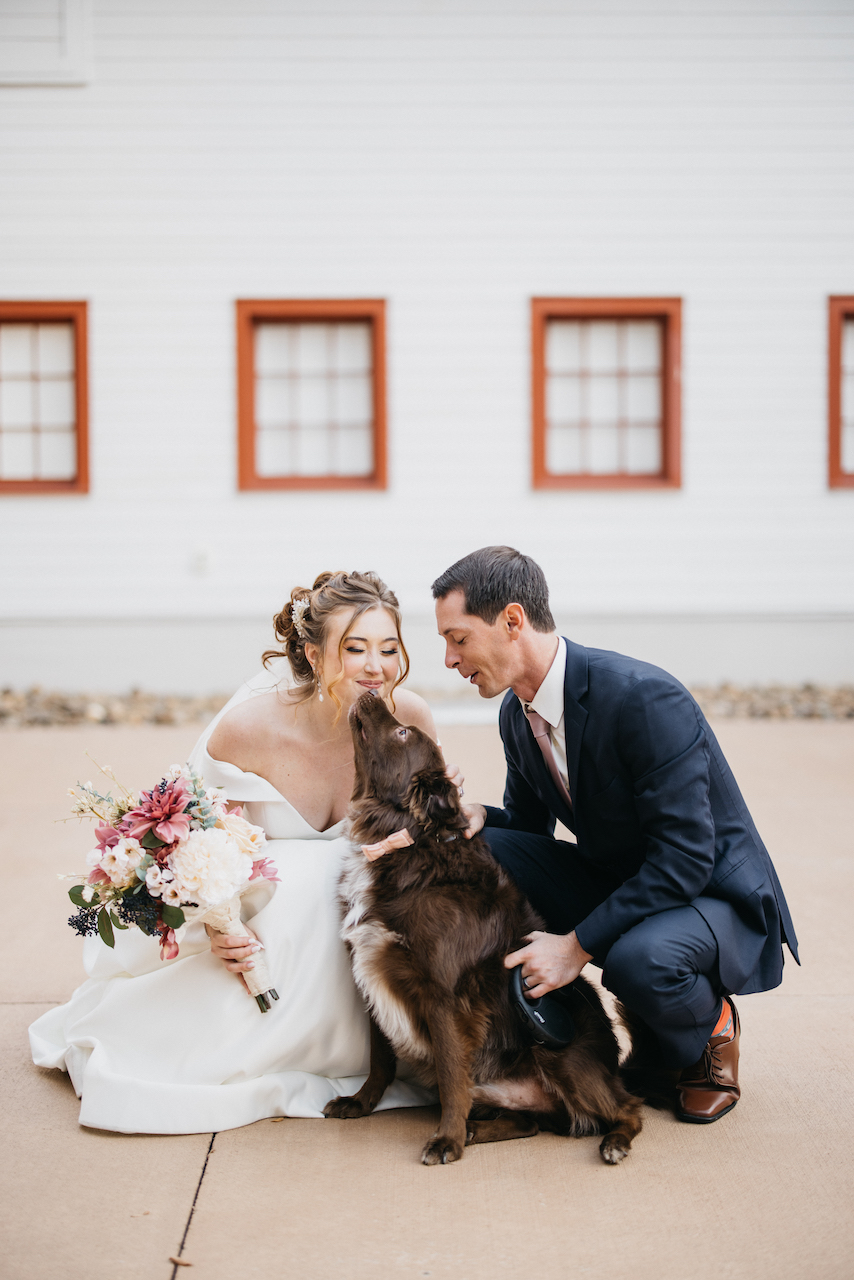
{"type": "Point", "coordinates": [179, 1046]}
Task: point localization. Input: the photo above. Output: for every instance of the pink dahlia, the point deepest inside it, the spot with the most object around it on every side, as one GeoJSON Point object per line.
{"type": "Point", "coordinates": [161, 810]}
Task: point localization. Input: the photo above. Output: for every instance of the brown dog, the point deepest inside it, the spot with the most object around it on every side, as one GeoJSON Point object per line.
{"type": "Point", "coordinates": [428, 926]}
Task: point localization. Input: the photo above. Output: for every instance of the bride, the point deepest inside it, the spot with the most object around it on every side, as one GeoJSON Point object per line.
{"type": "Point", "coordinates": [180, 1046]}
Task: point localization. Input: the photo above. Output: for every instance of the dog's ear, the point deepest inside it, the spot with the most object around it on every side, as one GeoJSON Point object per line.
{"type": "Point", "coordinates": [431, 797]}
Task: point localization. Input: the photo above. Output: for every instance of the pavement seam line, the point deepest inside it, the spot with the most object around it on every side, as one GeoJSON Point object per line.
{"type": "Point", "coordinates": [193, 1206]}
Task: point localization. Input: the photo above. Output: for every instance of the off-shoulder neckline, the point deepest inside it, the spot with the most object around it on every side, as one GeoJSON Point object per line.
{"type": "Point", "coordinates": [247, 773]}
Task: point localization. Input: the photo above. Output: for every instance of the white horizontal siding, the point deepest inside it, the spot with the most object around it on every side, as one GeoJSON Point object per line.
{"type": "Point", "coordinates": [455, 160]}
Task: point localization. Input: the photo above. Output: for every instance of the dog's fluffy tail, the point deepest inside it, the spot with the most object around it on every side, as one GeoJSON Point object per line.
{"type": "Point", "coordinates": [643, 1073]}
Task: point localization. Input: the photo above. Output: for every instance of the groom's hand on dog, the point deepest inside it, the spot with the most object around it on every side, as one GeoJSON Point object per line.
{"type": "Point", "coordinates": [476, 815]}
{"type": "Point", "coordinates": [550, 960]}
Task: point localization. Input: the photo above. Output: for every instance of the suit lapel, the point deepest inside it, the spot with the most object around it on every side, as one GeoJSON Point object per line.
{"type": "Point", "coordinates": [575, 716]}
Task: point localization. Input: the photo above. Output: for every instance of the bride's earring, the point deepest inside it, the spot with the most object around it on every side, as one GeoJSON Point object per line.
{"type": "Point", "coordinates": [317, 685]}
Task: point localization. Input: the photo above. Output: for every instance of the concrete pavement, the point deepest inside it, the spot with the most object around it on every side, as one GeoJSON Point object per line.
{"type": "Point", "coordinates": [764, 1193]}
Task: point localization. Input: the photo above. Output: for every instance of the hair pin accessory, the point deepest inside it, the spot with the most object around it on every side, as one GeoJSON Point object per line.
{"type": "Point", "coordinates": [299, 609]}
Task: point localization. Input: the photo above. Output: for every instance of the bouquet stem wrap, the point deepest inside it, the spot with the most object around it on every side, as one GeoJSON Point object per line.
{"type": "Point", "coordinates": [225, 919]}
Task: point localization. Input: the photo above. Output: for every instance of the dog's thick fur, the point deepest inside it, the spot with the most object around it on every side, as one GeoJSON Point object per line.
{"type": "Point", "coordinates": [428, 928]}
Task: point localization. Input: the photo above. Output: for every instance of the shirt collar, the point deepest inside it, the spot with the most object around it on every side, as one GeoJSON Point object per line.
{"type": "Point", "coordinates": [549, 699]}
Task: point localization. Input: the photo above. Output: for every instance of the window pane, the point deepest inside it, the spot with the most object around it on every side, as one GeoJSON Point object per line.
{"type": "Point", "coordinates": [352, 401]}
{"type": "Point", "coordinates": [16, 455]}
{"type": "Point", "coordinates": [564, 450]}
{"type": "Point", "coordinates": [57, 454]}
{"type": "Point", "coordinates": [563, 346]}
{"type": "Point", "coordinates": [56, 402]}
{"type": "Point", "coordinates": [312, 348]}
{"type": "Point", "coordinates": [643, 450]}
{"type": "Point", "coordinates": [16, 349]}
{"type": "Point", "coordinates": [848, 398]}
{"type": "Point", "coordinates": [355, 452]}
{"type": "Point", "coordinates": [643, 345]}
{"type": "Point", "coordinates": [313, 453]}
{"type": "Point", "coordinates": [604, 447]}
{"type": "Point", "coordinates": [312, 402]}
{"type": "Point", "coordinates": [273, 454]}
{"type": "Point", "coordinates": [56, 348]}
{"type": "Point", "coordinates": [848, 450]}
{"type": "Point", "coordinates": [564, 400]}
{"type": "Point", "coordinates": [643, 398]}
{"type": "Point", "coordinates": [16, 404]}
{"type": "Point", "coordinates": [602, 348]}
{"type": "Point", "coordinates": [604, 399]}
{"type": "Point", "coordinates": [272, 402]}
{"type": "Point", "coordinates": [273, 348]}
{"type": "Point", "coordinates": [353, 348]}
{"type": "Point", "coordinates": [848, 345]}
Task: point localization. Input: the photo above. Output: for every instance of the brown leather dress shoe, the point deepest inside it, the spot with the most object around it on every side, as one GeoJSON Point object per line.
{"type": "Point", "coordinates": [709, 1089]}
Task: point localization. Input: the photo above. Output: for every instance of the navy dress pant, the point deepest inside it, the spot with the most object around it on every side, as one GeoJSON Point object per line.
{"type": "Point", "coordinates": [665, 969]}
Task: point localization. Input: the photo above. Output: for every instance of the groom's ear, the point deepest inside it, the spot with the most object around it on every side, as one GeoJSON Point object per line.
{"type": "Point", "coordinates": [431, 797]}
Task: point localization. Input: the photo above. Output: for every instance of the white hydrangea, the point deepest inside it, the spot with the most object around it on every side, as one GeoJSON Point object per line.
{"type": "Point", "coordinates": [209, 868]}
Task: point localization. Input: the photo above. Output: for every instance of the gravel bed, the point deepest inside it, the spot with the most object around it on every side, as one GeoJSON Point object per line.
{"type": "Point", "coordinates": [39, 707]}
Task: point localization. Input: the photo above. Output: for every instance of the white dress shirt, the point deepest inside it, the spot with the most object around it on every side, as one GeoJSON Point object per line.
{"type": "Point", "coordinates": [549, 703]}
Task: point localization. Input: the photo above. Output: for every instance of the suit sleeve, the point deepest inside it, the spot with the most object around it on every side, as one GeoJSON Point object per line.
{"type": "Point", "coordinates": [523, 809]}
{"type": "Point", "coordinates": [664, 749]}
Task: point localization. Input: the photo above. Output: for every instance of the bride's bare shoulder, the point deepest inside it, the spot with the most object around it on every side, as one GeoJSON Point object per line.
{"type": "Point", "coordinates": [247, 726]}
{"type": "Point", "coordinates": [410, 708]}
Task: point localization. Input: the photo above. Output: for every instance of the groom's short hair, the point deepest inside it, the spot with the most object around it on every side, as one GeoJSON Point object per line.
{"type": "Point", "coordinates": [494, 577]}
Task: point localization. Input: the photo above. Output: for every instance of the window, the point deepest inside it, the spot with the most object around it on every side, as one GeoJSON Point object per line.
{"type": "Point", "coordinates": [311, 395]}
{"type": "Point", "coordinates": [841, 393]}
{"type": "Point", "coordinates": [605, 396]}
{"type": "Point", "coordinates": [45, 42]}
{"type": "Point", "coordinates": [43, 411]}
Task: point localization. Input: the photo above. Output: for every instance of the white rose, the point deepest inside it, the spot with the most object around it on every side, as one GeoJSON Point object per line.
{"type": "Point", "coordinates": [122, 860]}
{"type": "Point", "coordinates": [209, 867]}
{"type": "Point", "coordinates": [250, 839]}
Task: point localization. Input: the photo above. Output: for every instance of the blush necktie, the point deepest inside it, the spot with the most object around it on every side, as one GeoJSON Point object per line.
{"type": "Point", "coordinates": [540, 730]}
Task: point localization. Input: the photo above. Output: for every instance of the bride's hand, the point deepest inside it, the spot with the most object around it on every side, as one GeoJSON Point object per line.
{"type": "Point", "coordinates": [235, 952]}
{"type": "Point", "coordinates": [455, 775]}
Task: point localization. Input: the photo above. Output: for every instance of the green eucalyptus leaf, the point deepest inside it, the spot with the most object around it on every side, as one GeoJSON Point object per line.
{"type": "Point", "coordinates": [75, 893]}
{"type": "Point", "coordinates": [172, 917]}
{"type": "Point", "coordinates": [150, 841]}
{"type": "Point", "coordinates": [106, 929]}
{"type": "Point", "coordinates": [116, 921]}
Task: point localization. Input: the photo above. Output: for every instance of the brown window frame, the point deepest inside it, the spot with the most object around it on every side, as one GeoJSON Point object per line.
{"type": "Point", "coordinates": [840, 308]}
{"type": "Point", "coordinates": [251, 310]}
{"type": "Point", "coordinates": [669, 311]}
{"type": "Point", "coordinates": [76, 314]}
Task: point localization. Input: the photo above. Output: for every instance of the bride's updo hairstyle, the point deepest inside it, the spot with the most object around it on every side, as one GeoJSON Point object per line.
{"type": "Point", "coordinates": [305, 620]}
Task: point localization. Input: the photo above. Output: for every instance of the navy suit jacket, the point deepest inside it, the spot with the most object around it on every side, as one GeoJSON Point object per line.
{"type": "Point", "coordinates": [656, 811]}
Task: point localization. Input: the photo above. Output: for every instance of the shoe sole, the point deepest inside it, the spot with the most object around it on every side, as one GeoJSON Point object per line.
{"type": "Point", "coordinates": [686, 1119]}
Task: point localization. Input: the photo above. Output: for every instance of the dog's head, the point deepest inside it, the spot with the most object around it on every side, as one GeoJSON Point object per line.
{"type": "Point", "coordinates": [400, 777]}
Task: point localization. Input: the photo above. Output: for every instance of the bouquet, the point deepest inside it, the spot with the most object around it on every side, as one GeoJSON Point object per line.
{"type": "Point", "coordinates": [172, 854]}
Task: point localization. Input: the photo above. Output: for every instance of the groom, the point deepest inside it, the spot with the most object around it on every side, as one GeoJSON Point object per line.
{"type": "Point", "coordinates": [668, 888]}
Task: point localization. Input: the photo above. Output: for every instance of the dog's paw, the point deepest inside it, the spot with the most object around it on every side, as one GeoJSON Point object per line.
{"type": "Point", "coordinates": [344, 1109]}
{"type": "Point", "coordinates": [441, 1150]}
{"type": "Point", "coordinates": [614, 1148]}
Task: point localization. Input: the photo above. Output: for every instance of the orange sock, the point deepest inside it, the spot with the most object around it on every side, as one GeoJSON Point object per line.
{"type": "Point", "coordinates": [723, 1026]}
